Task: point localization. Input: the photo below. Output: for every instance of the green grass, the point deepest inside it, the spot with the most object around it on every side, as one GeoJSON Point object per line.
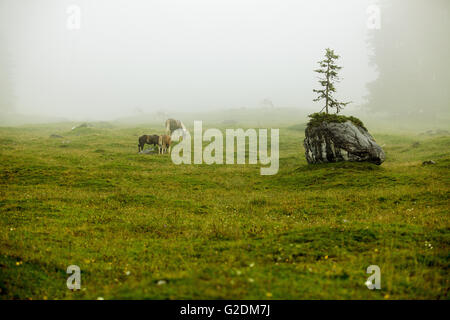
{"type": "Point", "coordinates": [220, 231]}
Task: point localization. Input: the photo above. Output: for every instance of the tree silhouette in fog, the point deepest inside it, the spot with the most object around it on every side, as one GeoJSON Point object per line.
{"type": "Point", "coordinates": [411, 51]}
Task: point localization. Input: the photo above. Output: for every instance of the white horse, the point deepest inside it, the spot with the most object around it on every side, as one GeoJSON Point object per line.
{"type": "Point", "coordinates": [172, 125]}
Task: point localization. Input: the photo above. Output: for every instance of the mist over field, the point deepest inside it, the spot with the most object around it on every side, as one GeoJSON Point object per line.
{"type": "Point", "coordinates": [137, 59]}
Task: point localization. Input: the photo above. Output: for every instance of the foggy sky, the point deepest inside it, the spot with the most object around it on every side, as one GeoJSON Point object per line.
{"type": "Point", "coordinates": [151, 55]}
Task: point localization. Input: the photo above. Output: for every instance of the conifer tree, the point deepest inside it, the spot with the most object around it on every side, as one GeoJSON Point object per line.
{"type": "Point", "coordinates": [328, 76]}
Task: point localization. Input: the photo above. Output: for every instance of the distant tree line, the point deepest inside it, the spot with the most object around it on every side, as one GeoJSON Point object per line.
{"type": "Point", "coordinates": [411, 51]}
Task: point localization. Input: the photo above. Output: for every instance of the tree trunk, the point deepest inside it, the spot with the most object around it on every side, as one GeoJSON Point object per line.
{"type": "Point", "coordinates": [328, 82]}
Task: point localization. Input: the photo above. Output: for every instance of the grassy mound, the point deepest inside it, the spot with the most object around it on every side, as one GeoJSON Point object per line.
{"type": "Point", "coordinates": [319, 117]}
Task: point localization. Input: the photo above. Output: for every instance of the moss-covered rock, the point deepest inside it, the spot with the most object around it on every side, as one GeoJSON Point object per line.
{"type": "Point", "coordinates": [333, 138]}
{"type": "Point", "coordinates": [320, 117]}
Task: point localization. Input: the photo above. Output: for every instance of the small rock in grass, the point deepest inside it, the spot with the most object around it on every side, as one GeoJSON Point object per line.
{"type": "Point", "coordinates": [149, 151]}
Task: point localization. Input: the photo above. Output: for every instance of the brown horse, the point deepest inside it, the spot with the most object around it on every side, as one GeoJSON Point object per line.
{"type": "Point", "coordinates": [164, 143]}
{"type": "Point", "coordinates": [147, 139]}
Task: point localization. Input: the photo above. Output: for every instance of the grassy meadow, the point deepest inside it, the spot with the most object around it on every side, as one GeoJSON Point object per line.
{"type": "Point", "coordinates": [141, 227]}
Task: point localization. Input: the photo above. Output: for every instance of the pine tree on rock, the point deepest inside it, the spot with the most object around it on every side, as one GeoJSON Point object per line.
{"type": "Point", "coordinates": [328, 76]}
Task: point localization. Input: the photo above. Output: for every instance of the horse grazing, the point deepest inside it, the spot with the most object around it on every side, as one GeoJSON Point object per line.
{"type": "Point", "coordinates": [172, 125]}
{"type": "Point", "coordinates": [164, 143]}
{"type": "Point", "coordinates": [147, 139]}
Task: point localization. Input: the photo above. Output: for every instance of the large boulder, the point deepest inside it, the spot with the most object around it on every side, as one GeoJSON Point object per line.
{"type": "Point", "coordinates": [328, 141]}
